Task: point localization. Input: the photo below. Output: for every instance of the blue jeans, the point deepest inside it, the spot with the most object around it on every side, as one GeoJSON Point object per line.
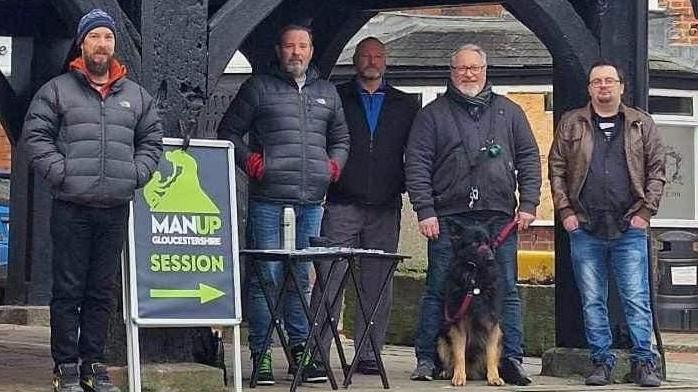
{"type": "Point", "coordinates": [265, 220]}
{"type": "Point", "coordinates": [440, 254]}
{"type": "Point", "coordinates": [591, 259]}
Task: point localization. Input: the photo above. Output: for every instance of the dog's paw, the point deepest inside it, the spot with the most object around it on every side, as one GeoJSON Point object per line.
{"type": "Point", "coordinates": [495, 381]}
{"type": "Point", "coordinates": [458, 380]}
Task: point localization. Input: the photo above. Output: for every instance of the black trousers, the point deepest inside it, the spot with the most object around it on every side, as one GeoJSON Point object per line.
{"type": "Point", "coordinates": [87, 245]}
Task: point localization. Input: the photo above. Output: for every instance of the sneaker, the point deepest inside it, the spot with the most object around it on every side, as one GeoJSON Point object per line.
{"type": "Point", "coordinates": [645, 374]}
{"type": "Point", "coordinates": [368, 367]}
{"type": "Point", "coordinates": [512, 372]}
{"type": "Point", "coordinates": [66, 379]}
{"type": "Point", "coordinates": [424, 370]}
{"type": "Point", "coordinates": [313, 370]}
{"type": "Point", "coordinates": [600, 375]}
{"type": "Point", "coordinates": [265, 373]}
{"type": "Point", "coordinates": [95, 378]}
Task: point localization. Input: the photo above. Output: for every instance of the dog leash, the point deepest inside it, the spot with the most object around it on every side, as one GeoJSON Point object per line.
{"type": "Point", "coordinates": [502, 236]}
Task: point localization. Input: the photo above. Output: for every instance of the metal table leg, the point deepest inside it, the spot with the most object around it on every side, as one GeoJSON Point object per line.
{"type": "Point", "coordinates": [369, 325]}
{"type": "Point", "coordinates": [330, 321]}
{"type": "Point", "coordinates": [313, 333]}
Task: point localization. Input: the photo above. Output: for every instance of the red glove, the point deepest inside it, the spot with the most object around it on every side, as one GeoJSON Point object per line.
{"type": "Point", "coordinates": [255, 166]}
{"type": "Point", "coordinates": [335, 170]}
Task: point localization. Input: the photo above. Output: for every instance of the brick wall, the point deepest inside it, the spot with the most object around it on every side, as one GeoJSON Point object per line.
{"type": "Point", "coordinates": [5, 151]}
{"type": "Point", "coordinates": [477, 10]}
{"type": "Point", "coordinates": [537, 238]}
{"type": "Point", "coordinates": [684, 30]}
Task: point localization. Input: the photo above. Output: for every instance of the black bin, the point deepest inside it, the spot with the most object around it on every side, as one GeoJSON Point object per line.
{"type": "Point", "coordinates": [677, 296]}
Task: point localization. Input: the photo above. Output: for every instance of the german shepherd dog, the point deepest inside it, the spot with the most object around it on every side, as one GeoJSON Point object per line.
{"type": "Point", "coordinates": [470, 343]}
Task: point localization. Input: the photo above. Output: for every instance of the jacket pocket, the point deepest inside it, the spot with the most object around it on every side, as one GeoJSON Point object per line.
{"type": "Point", "coordinates": [451, 176]}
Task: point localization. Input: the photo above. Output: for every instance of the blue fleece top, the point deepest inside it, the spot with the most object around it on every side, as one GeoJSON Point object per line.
{"type": "Point", "coordinates": [373, 103]}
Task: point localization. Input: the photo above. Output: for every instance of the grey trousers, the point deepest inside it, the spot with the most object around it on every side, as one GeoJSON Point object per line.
{"type": "Point", "coordinates": [359, 226]}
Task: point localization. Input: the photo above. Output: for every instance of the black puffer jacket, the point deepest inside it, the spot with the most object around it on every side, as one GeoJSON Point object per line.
{"type": "Point", "coordinates": [92, 151]}
{"type": "Point", "coordinates": [296, 133]}
{"type": "Point", "coordinates": [443, 160]}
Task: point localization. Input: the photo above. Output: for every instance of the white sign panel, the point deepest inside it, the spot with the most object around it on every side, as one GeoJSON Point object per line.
{"type": "Point", "coordinates": [6, 55]}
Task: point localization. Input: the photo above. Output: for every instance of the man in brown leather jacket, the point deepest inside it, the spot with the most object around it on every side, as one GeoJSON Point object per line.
{"type": "Point", "coordinates": [606, 167]}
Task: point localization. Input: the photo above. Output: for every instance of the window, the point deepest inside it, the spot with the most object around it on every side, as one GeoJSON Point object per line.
{"type": "Point", "coordinates": [674, 112]}
{"type": "Point", "coordinates": [679, 191]}
{"type": "Point", "coordinates": [678, 106]}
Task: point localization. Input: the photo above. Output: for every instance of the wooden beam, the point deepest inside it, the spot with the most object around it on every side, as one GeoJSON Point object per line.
{"type": "Point", "coordinates": [573, 47]}
{"type": "Point", "coordinates": [332, 31]}
{"type": "Point", "coordinates": [228, 28]}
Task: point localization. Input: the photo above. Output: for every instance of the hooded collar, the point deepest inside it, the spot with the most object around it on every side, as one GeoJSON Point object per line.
{"type": "Point", "coordinates": [117, 72]}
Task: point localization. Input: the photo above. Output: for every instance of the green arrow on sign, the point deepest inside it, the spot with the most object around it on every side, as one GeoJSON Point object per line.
{"type": "Point", "coordinates": [205, 293]}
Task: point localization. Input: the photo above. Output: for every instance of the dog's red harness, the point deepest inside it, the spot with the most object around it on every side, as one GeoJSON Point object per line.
{"type": "Point", "coordinates": [468, 298]}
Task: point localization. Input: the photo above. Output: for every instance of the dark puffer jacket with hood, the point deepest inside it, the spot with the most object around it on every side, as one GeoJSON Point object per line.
{"type": "Point", "coordinates": [296, 131]}
{"type": "Point", "coordinates": [93, 149]}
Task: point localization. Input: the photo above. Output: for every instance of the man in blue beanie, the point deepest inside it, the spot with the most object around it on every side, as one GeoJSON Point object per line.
{"type": "Point", "coordinates": [94, 136]}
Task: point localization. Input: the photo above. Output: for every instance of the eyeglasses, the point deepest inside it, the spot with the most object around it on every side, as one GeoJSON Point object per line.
{"type": "Point", "coordinates": [603, 82]}
{"type": "Point", "coordinates": [474, 69]}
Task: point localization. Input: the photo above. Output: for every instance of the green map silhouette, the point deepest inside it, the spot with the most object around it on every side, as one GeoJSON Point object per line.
{"type": "Point", "coordinates": [181, 191]}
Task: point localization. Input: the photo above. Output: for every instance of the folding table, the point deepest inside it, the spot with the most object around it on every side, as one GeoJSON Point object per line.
{"type": "Point", "coordinates": [335, 256]}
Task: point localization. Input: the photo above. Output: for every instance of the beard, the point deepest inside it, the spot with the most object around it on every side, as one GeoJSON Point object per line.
{"type": "Point", "coordinates": [470, 91]}
{"type": "Point", "coordinates": [98, 68]}
{"type": "Point", "coordinates": [371, 74]}
{"type": "Point", "coordinates": [296, 68]}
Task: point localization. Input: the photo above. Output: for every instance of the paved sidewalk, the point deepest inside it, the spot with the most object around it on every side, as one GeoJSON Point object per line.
{"type": "Point", "coordinates": [25, 366]}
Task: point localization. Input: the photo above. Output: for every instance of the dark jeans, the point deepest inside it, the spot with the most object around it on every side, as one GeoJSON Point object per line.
{"type": "Point", "coordinates": [440, 254]}
{"type": "Point", "coordinates": [87, 245]}
{"type": "Point", "coordinates": [592, 258]}
{"type": "Point", "coordinates": [353, 225]}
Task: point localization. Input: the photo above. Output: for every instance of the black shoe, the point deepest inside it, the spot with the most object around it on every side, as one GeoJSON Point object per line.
{"type": "Point", "coordinates": [95, 378]}
{"type": "Point", "coordinates": [313, 370]}
{"type": "Point", "coordinates": [600, 375]}
{"type": "Point", "coordinates": [512, 372]}
{"type": "Point", "coordinates": [645, 374]}
{"type": "Point", "coordinates": [265, 373]}
{"type": "Point", "coordinates": [424, 371]}
{"type": "Point", "coordinates": [66, 378]}
{"type": "Point", "coordinates": [368, 367]}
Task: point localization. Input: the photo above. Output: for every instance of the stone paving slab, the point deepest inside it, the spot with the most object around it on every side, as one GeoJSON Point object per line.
{"type": "Point", "coordinates": [25, 366]}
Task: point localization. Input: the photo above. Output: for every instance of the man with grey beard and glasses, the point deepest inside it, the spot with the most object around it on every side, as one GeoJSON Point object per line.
{"type": "Point", "coordinates": [298, 144]}
{"type": "Point", "coordinates": [469, 152]}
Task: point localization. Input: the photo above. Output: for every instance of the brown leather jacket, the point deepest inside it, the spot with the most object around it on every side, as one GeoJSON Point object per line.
{"type": "Point", "coordinates": [570, 156]}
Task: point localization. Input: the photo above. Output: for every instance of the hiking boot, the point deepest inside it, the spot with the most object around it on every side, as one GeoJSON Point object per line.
{"type": "Point", "coordinates": [512, 372]}
{"type": "Point", "coordinates": [313, 370]}
{"type": "Point", "coordinates": [600, 375]}
{"type": "Point", "coordinates": [66, 378]}
{"type": "Point", "coordinates": [95, 378]}
{"type": "Point", "coordinates": [424, 370]}
{"type": "Point", "coordinates": [645, 374]}
{"type": "Point", "coordinates": [265, 373]}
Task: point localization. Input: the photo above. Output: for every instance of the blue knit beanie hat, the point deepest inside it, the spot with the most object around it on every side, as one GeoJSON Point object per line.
{"type": "Point", "coordinates": [92, 20]}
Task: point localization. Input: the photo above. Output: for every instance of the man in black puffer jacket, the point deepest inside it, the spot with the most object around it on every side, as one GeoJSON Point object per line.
{"type": "Point", "coordinates": [469, 153]}
{"type": "Point", "coordinates": [94, 137]}
{"type": "Point", "coordinates": [298, 143]}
